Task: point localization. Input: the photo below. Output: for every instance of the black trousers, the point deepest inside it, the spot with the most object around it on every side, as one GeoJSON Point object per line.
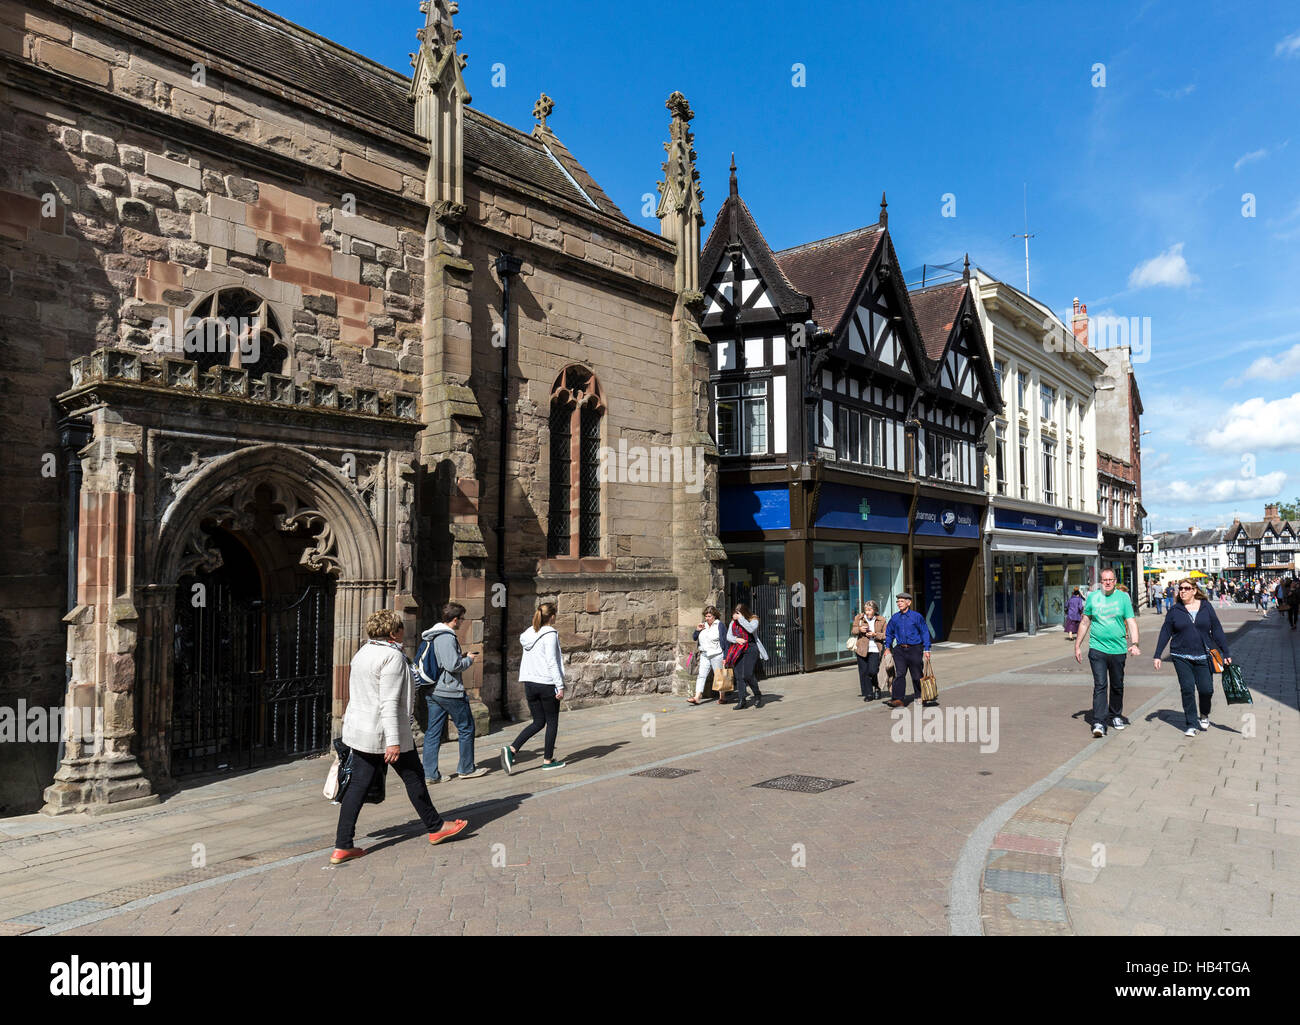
{"type": "Point", "coordinates": [868, 673]}
{"type": "Point", "coordinates": [545, 707]}
{"type": "Point", "coordinates": [907, 657]}
{"type": "Point", "coordinates": [745, 667]}
{"type": "Point", "coordinates": [1292, 613]}
{"type": "Point", "coordinates": [364, 767]}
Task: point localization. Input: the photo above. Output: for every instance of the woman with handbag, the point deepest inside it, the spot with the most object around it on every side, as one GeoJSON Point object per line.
{"type": "Point", "coordinates": [868, 632]}
{"type": "Point", "coordinates": [709, 637]}
{"type": "Point", "coordinates": [1196, 643]}
{"type": "Point", "coordinates": [377, 727]}
{"type": "Point", "coordinates": [743, 655]}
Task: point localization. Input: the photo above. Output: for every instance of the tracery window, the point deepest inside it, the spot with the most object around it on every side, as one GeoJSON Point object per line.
{"type": "Point", "coordinates": [573, 525]}
{"type": "Point", "coordinates": [235, 327]}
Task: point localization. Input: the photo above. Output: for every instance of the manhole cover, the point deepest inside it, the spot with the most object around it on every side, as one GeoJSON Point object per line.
{"type": "Point", "coordinates": [803, 784]}
{"type": "Point", "coordinates": [664, 772]}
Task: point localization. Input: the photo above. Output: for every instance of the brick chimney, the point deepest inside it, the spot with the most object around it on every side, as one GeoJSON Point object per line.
{"type": "Point", "coordinates": [1192, 529]}
{"type": "Point", "coordinates": [1079, 322]}
{"type": "Point", "coordinates": [1270, 512]}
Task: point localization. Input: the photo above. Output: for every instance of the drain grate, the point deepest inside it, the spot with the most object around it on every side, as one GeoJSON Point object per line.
{"type": "Point", "coordinates": [60, 913]}
{"type": "Point", "coordinates": [803, 784]}
{"type": "Point", "coordinates": [665, 772]}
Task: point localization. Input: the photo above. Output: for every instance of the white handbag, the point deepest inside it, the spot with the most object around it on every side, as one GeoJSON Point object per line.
{"type": "Point", "coordinates": [332, 782]}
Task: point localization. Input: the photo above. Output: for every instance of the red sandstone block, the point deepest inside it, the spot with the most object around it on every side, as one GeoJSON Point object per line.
{"type": "Point", "coordinates": [468, 486]}
{"type": "Point", "coordinates": [166, 273]}
{"type": "Point", "coordinates": [301, 254]}
{"type": "Point", "coordinates": [295, 276]}
{"type": "Point", "coordinates": [259, 218]}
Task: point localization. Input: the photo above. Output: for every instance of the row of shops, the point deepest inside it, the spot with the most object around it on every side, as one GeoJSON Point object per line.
{"type": "Point", "coordinates": [806, 553]}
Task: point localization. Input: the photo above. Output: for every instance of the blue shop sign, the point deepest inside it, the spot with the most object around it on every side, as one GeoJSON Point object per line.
{"type": "Point", "coordinates": [750, 507]}
{"type": "Point", "coordinates": [937, 518]}
{"type": "Point", "coordinates": [1040, 523]}
{"type": "Point", "coordinates": [843, 507]}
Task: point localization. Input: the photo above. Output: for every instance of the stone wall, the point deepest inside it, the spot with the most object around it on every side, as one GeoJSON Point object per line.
{"type": "Point", "coordinates": [128, 193]}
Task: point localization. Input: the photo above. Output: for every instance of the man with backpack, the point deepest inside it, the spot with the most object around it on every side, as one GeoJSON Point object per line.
{"type": "Point", "coordinates": [439, 666]}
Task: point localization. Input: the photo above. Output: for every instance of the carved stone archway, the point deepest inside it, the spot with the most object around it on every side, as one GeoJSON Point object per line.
{"type": "Point", "coordinates": [311, 497]}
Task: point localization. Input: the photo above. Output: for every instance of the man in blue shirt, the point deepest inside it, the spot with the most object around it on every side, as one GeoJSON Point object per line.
{"type": "Point", "coordinates": [908, 636]}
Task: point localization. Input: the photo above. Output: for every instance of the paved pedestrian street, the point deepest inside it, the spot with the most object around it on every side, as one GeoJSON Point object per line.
{"type": "Point", "coordinates": [995, 831]}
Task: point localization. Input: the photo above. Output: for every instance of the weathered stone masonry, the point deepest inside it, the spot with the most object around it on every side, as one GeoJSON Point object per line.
{"type": "Point", "coordinates": [152, 165]}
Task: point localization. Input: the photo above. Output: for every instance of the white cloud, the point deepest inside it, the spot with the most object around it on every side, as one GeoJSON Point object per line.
{"type": "Point", "coordinates": [1288, 47]}
{"type": "Point", "coordinates": [1274, 368]}
{"type": "Point", "coordinates": [1168, 269]}
{"type": "Point", "coordinates": [1178, 94]}
{"type": "Point", "coordinates": [1257, 424]}
{"type": "Point", "coordinates": [1247, 158]}
{"type": "Point", "coordinates": [1216, 489]}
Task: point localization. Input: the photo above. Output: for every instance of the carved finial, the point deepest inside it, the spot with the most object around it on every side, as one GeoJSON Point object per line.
{"type": "Point", "coordinates": [679, 108]}
{"type": "Point", "coordinates": [735, 185]}
{"type": "Point", "coordinates": [965, 271]}
{"type": "Point", "coordinates": [884, 211]}
{"type": "Point", "coordinates": [542, 109]}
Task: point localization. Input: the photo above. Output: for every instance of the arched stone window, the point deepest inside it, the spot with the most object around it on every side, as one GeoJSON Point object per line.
{"type": "Point", "coordinates": [574, 508]}
{"type": "Point", "coordinates": [234, 327]}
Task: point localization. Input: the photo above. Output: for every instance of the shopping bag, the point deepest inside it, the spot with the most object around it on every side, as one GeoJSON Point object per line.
{"type": "Point", "coordinates": [724, 680]}
{"type": "Point", "coordinates": [887, 665]}
{"type": "Point", "coordinates": [929, 686]}
{"type": "Point", "coordinates": [1235, 691]}
{"type": "Point", "coordinates": [332, 782]}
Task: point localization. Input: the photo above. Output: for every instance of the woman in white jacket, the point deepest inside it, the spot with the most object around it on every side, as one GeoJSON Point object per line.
{"type": "Point", "coordinates": [377, 726]}
{"type": "Point", "coordinates": [709, 636]}
{"type": "Point", "coordinates": [541, 671]}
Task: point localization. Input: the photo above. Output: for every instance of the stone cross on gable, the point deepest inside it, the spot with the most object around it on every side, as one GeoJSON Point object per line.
{"type": "Point", "coordinates": [542, 109]}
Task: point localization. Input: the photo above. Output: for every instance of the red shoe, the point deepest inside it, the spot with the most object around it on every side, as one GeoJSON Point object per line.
{"type": "Point", "coordinates": [449, 829]}
{"type": "Point", "coordinates": [351, 854]}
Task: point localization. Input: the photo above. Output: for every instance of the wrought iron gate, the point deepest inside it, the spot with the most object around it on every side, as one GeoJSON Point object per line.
{"type": "Point", "coordinates": [780, 625]}
{"type": "Point", "coordinates": [252, 681]}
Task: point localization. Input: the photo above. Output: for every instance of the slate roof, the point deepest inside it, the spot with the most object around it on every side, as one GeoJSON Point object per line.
{"type": "Point", "coordinates": [1186, 539]}
{"type": "Point", "coordinates": [830, 270]}
{"type": "Point", "coordinates": [241, 33]}
{"type": "Point", "coordinates": [1255, 528]}
{"type": "Point", "coordinates": [936, 309]}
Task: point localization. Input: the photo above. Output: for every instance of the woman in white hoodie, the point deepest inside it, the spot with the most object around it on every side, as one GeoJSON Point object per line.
{"type": "Point", "coordinates": [541, 671]}
{"type": "Point", "coordinates": [377, 726]}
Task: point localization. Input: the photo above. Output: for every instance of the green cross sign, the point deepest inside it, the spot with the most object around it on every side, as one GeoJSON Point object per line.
{"type": "Point", "coordinates": [865, 509]}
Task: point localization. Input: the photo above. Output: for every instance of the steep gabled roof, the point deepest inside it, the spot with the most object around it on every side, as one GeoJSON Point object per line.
{"type": "Point", "coordinates": [936, 311]}
{"type": "Point", "coordinates": [831, 269]}
{"type": "Point", "coordinates": [735, 221]}
{"type": "Point", "coordinates": [238, 34]}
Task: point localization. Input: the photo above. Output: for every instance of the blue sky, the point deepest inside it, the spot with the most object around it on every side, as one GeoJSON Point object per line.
{"type": "Point", "coordinates": [1134, 187]}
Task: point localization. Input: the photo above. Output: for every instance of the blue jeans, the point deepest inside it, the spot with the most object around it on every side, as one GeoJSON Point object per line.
{"type": "Point", "coordinates": [439, 709]}
{"type": "Point", "coordinates": [1194, 679]}
{"type": "Point", "coordinates": [1106, 707]}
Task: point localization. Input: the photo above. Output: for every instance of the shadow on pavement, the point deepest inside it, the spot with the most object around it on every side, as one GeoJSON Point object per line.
{"type": "Point", "coordinates": [478, 815]}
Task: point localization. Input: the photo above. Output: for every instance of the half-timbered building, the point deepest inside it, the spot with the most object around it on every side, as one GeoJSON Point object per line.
{"type": "Point", "coordinates": [851, 457]}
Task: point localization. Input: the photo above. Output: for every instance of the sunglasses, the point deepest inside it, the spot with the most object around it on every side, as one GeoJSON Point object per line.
{"type": "Point", "coordinates": [1186, 588]}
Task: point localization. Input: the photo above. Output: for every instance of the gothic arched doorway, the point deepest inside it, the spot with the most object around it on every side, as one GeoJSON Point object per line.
{"type": "Point", "coordinates": [253, 656]}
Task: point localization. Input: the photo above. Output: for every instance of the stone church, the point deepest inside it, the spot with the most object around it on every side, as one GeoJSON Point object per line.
{"type": "Point", "coordinates": [288, 337]}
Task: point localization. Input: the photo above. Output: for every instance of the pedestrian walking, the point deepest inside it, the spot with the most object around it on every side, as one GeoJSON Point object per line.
{"type": "Point", "coordinates": [1108, 618]}
{"type": "Point", "coordinates": [743, 654]}
{"type": "Point", "coordinates": [1261, 598]}
{"type": "Point", "coordinates": [1155, 597]}
{"type": "Point", "coordinates": [541, 671]}
{"type": "Point", "coordinates": [1191, 628]}
{"type": "Point", "coordinates": [708, 635]}
{"type": "Point", "coordinates": [908, 637]}
{"type": "Point", "coordinates": [869, 629]}
{"type": "Point", "coordinates": [1169, 595]}
{"type": "Point", "coordinates": [1293, 602]}
{"type": "Point", "coordinates": [377, 726]}
{"type": "Point", "coordinates": [440, 666]}
{"type": "Point", "coordinates": [1073, 613]}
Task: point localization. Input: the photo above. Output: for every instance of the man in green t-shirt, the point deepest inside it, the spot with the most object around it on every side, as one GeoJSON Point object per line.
{"type": "Point", "coordinates": [1108, 616]}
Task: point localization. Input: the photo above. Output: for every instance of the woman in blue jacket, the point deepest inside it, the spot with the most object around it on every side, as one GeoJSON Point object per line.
{"type": "Point", "coordinates": [1193, 627]}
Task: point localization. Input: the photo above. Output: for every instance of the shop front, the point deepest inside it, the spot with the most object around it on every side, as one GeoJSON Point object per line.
{"type": "Point", "coordinates": [1036, 560]}
{"type": "Point", "coordinates": [1119, 553]}
{"type": "Point", "coordinates": [832, 545]}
